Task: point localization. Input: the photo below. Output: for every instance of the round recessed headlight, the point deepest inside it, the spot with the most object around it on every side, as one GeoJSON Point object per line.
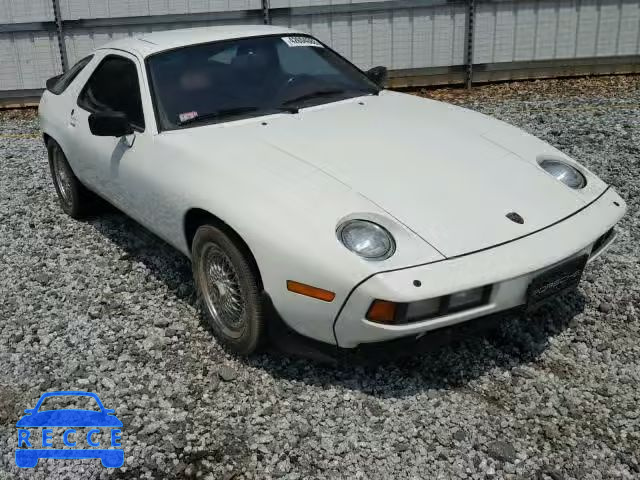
{"type": "Point", "coordinates": [367, 239]}
{"type": "Point", "coordinates": [564, 172]}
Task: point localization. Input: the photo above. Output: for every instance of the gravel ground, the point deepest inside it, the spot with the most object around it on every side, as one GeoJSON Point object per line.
{"type": "Point", "coordinates": [103, 306]}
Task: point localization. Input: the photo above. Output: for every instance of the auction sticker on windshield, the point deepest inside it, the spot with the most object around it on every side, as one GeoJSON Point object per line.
{"type": "Point", "coordinates": [183, 117]}
{"type": "Point", "coordinates": [301, 42]}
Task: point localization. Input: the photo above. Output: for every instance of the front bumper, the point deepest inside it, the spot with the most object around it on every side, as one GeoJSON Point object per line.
{"type": "Point", "coordinates": [509, 268]}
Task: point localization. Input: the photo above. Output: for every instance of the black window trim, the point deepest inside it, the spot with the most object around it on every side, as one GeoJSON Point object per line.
{"type": "Point", "coordinates": [87, 108]}
{"type": "Point", "coordinates": [152, 91]}
{"type": "Point", "coordinates": [72, 73]}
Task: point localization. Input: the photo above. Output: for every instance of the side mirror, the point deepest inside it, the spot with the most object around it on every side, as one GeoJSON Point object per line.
{"type": "Point", "coordinates": [378, 75]}
{"type": "Point", "coordinates": [109, 124]}
{"type": "Point", "coordinates": [29, 410]}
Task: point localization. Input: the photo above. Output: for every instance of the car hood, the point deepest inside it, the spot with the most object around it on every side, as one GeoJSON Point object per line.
{"type": "Point", "coordinates": [69, 418]}
{"type": "Point", "coordinates": [450, 175]}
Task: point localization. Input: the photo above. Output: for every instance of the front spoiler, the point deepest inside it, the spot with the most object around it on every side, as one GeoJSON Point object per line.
{"type": "Point", "coordinates": [508, 268]}
{"type": "Point", "coordinates": [289, 342]}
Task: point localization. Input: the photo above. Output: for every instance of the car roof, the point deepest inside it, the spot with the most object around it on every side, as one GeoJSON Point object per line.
{"type": "Point", "coordinates": [146, 44]}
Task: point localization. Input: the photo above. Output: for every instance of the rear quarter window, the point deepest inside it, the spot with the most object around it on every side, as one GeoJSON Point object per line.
{"type": "Point", "coordinates": [57, 85]}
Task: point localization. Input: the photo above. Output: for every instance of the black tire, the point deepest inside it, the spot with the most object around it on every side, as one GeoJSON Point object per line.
{"type": "Point", "coordinates": [75, 200]}
{"type": "Point", "coordinates": [229, 291]}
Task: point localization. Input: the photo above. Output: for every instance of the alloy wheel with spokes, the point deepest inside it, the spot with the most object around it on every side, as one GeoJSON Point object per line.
{"type": "Point", "coordinates": [221, 291]}
{"type": "Point", "coordinates": [75, 199]}
{"type": "Point", "coordinates": [62, 176]}
{"type": "Point", "coordinates": [229, 290]}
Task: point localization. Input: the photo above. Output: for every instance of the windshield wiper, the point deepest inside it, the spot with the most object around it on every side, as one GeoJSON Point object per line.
{"type": "Point", "coordinates": [230, 112]}
{"type": "Point", "coordinates": [327, 93]}
{"type": "Point", "coordinates": [316, 94]}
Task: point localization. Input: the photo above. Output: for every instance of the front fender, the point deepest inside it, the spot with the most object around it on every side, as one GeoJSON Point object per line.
{"type": "Point", "coordinates": [287, 212]}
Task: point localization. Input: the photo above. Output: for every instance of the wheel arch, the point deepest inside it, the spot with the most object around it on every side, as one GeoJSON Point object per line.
{"type": "Point", "coordinates": [196, 217]}
{"type": "Point", "coordinates": [50, 140]}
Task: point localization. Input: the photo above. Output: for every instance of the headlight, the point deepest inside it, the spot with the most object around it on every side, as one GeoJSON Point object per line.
{"type": "Point", "coordinates": [564, 172]}
{"type": "Point", "coordinates": [367, 239]}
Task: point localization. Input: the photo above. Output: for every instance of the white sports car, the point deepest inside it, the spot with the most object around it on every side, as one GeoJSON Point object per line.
{"type": "Point", "coordinates": [294, 180]}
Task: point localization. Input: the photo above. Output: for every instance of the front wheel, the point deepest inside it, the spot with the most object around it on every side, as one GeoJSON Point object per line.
{"type": "Point", "coordinates": [228, 290]}
{"type": "Point", "coordinates": [75, 199]}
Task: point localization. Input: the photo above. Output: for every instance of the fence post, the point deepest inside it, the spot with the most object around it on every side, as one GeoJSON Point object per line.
{"type": "Point", "coordinates": [265, 12]}
{"type": "Point", "coordinates": [471, 19]}
{"type": "Point", "coordinates": [64, 60]}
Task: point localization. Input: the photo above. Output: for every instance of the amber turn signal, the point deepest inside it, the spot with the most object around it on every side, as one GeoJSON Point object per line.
{"type": "Point", "coordinates": [382, 311]}
{"type": "Point", "coordinates": [309, 291]}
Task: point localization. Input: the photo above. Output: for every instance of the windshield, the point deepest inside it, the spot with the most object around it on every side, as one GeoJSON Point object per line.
{"type": "Point", "coordinates": [249, 77]}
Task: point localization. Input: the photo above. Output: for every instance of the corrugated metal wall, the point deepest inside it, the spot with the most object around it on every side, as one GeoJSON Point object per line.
{"type": "Point", "coordinates": [76, 9]}
{"type": "Point", "coordinates": [80, 42]}
{"type": "Point", "coordinates": [412, 37]}
{"type": "Point", "coordinates": [18, 11]}
{"type": "Point", "coordinates": [399, 38]}
{"type": "Point", "coordinates": [534, 30]}
{"type": "Point", "coordinates": [27, 58]}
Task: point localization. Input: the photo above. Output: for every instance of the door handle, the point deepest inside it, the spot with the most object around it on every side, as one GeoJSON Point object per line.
{"type": "Point", "coordinates": [73, 121]}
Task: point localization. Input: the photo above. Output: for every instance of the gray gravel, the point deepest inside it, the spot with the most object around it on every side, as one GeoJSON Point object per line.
{"type": "Point", "coordinates": [103, 306]}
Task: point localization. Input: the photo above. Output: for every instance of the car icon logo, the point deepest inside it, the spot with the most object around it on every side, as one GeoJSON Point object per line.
{"type": "Point", "coordinates": [97, 428]}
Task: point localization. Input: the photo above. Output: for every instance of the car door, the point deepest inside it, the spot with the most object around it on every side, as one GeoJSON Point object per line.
{"type": "Point", "coordinates": [114, 85]}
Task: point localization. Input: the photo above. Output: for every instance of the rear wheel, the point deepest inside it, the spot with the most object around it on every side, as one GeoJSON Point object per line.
{"type": "Point", "coordinates": [75, 200]}
{"type": "Point", "coordinates": [229, 291]}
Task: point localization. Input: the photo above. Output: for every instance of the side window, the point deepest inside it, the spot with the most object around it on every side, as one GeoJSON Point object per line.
{"type": "Point", "coordinates": [114, 86]}
{"type": "Point", "coordinates": [63, 81]}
